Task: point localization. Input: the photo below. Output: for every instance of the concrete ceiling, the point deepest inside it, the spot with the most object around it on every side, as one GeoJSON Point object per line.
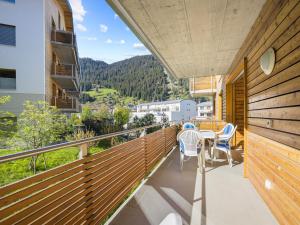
{"type": "Point", "coordinates": [192, 38]}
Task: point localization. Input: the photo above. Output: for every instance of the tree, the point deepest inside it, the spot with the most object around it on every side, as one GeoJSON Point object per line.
{"type": "Point", "coordinates": [40, 125]}
{"type": "Point", "coordinates": [86, 114]}
{"type": "Point", "coordinates": [121, 116]}
{"type": "Point", "coordinates": [102, 112]}
{"type": "Point", "coordinates": [7, 121]}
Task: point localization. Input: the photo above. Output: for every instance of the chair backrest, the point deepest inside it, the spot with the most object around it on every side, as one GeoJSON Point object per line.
{"type": "Point", "coordinates": [227, 137]}
{"type": "Point", "coordinates": [188, 125]}
{"type": "Point", "coordinates": [230, 135]}
{"type": "Point", "coordinates": [228, 128]}
{"type": "Point", "coordinates": [189, 140]}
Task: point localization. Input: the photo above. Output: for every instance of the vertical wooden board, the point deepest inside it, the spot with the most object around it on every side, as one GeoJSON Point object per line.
{"type": "Point", "coordinates": [238, 112]}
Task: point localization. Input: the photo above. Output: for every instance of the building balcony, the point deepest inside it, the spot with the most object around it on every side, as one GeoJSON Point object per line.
{"type": "Point", "coordinates": [66, 104]}
{"type": "Point", "coordinates": [88, 190]}
{"type": "Point", "coordinates": [65, 75]}
{"type": "Point", "coordinates": [64, 45]}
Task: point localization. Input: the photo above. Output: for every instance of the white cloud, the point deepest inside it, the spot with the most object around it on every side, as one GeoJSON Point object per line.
{"type": "Point", "coordinates": [88, 38]}
{"type": "Point", "coordinates": [103, 28]}
{"type": "Point", "coordinates": [138, 46]}
{"type": "Point", "coordinates": [78, 10]}
{"type": "Point", "coordinates": [108, 41]}
{"type": "Point", "coordinates": [81, 27]}
{"type": "Point", "coordinates": [116, 16]}
{"type": "Point", "coordinates": [127, 28]}
{"type": "Point", "coordinates": [121, 42]}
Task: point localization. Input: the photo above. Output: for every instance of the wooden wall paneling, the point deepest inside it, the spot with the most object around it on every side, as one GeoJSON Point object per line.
{"type": "Point", "coordinates": [272, 118]}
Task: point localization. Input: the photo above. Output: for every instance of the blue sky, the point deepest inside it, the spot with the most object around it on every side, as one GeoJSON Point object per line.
{"type": "Point", "coordinates": [101, 34]}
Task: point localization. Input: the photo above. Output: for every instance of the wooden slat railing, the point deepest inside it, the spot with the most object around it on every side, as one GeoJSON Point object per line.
{"type": "Point", "coordinates": [63, 37]}
{"type": "Point", "coordinates": [86, 190]}
{"type": "Point", "coordinates": [214, 125]}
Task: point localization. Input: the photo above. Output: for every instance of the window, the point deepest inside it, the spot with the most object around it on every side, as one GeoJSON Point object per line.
{"type": "Point", "coordinates": [201, 114]}
{"type": "Point", "coordinates": [208, 107]}
{"type": "Point", "coordinates": [10, 1]}
{"type": "Point", "coordinates": [201, 107]}
{"type": "Point", "coordinates": [7, 79]}
{"type": "Point", "coordinates": [7, 35]}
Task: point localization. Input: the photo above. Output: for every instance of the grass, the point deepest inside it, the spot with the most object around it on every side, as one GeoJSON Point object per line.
{"type": "Point", "coordinates": [19, 169]}
{"type": "Point", "coordinates": [102, 95]}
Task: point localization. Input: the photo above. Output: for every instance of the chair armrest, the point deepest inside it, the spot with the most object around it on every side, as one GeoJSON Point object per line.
{"type": "Point", "coordinates": [218, 138]}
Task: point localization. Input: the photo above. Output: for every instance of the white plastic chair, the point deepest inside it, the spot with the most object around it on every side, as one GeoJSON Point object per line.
{"type": "Point", "coordinates": [190, 146]}
{"type": "Point", "coordinates": [227, 129]}
{"type": "Point", "coordinates": [223, 142]}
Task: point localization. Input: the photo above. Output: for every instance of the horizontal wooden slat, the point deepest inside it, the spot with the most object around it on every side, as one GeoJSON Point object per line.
{"type": "Point", "coordinates": [283, 215]}
{"type": "Point", "coordinates": [277, 34]}
{"type": "Point", "coordinates": [292, 99]}
{"type": "Point", "coordinates": [285, 75]}
{"type": "Point", "coordinates": [288, 126]}
{"type": "Point", "coordinates": [281, 89]}
{"type": "Point", "coordinates": [285, 138]}
{"type": "Point", "coordinates": [287, 169]}
{"type": "Point", "coordinates": [292, 58]}
{"type": "Point", "coordinates": [288, 113]}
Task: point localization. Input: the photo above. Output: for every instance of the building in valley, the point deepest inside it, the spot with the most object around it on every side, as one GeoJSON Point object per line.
{"type": "Point", "coordinates": [205, 110]}
{"type": "Point", "coordinates": [174, 110]}
{"type": "Point", "coordinates": [38, 52]}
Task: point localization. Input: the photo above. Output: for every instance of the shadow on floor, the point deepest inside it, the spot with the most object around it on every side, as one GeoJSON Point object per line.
{"type": "Point", "coordinates": [168, 190]}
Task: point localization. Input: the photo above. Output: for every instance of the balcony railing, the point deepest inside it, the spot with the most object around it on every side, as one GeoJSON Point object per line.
{"type": "Point", "coordinates": [67, 103]}
{"type": "Point", "coordinates": [87, 190]}
{"type": "Point", "coordinates": [63, 37]}
{"type": "Point", "coordinates": [67, 70]}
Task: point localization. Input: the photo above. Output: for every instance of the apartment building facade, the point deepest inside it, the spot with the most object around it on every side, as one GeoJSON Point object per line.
{"type": "Point", "coordinates": [205, 110]}
{"type": "Point", "coordinates": [38, 53]}
{"type": "Point", "coordinates": [174, 110]}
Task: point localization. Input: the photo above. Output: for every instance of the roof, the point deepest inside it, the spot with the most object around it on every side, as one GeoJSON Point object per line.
{"type": "Point", "coordinates": [160, 103]}
{"type": "Point", "coordinates": [68, 14]}
{"type": "Point", "coordinates": [163, 102]}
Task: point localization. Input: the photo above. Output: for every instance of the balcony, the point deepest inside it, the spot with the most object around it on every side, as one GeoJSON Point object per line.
{"type": "Point", "coordinates": [64, 45]}
{"type": "Point", "coordinates": [67, 104]}
{"type": "Point", "coordinates": [90, 189]}
{"type": "Point", "coordinates": [205, 86]}
{"type": "Point", "coordinates": [65, 75]}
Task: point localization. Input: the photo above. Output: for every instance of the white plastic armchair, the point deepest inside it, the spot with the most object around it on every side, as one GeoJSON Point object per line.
{"type": "Point", "coordinates": [226, 129]}
{"type": "Point", "coordinates": [190, 146]}
{"type": "Point", "coordinates": [222, 143]}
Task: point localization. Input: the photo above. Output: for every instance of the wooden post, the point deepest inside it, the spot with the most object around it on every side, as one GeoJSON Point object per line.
{"type": "Point", "coordinates": [83, 151]}
{"type": "Point", "coordinates": [245, 119]}
{"type": "Point", "coordinates": [165, 140]}
{"type": "Point", "coordinates": [144, 144]}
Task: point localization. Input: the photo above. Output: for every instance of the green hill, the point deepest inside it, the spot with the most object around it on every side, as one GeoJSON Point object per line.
{"type": "Point", "coordinates": [140, 77]}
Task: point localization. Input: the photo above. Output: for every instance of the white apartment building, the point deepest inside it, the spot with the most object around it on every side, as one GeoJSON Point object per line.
{"type": "Point", "coordinates": [205, 110]}
{"type": "Point", "coordinates": [38, 54]}
{"type": "Point", "coordinates": [175, 110]}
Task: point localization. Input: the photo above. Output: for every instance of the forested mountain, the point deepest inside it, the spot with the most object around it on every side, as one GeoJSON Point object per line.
{"type": "Point", "coordinates": [142, 77]}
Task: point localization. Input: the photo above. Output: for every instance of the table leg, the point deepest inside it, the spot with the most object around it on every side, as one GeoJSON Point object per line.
{"type": "Point", "coordinates": [203, 154]}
